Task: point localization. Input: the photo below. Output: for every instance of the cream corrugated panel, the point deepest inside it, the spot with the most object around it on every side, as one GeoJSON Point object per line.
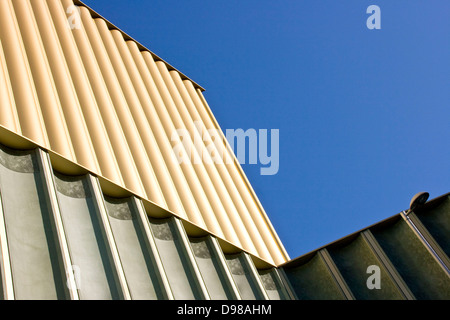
{"type": "Point", "coordinates": [45, 88]}
{"type": "Point", "coordinates": [133, 139]}
{"type": "Point", "coordinates": [222, 181]}
{"type": "Point", "coordinates": [149, 97]}
{"type": "Point", "coordinates": [207, 170]}
{"type": "Point", "coordinates": [102, 146]}
{"type": "Point", "coordinates": [158, 145]}
{"type": "Point", "coordinates": [173, 103]}
{"type": "Point", "coordinates": [171, 123]}
{"type": "Point", "coordinates": [137, 116]}
{"type": "Point", "coordinates": [22, 85]}
{"type": "Point", "coordinates": [107, 113]}
{"type": "Point", "coordinates": [79, 135]}
{"type": "Point", "coordinates": [96, 99]}
{"type": "Point", "coordinates": [256, 210]}
{"type": "Point", "coordinates": [8, 113]}
{"type": "Point", "coordinates": [185, 174]}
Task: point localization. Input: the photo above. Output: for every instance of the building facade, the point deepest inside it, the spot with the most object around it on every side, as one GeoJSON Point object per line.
{"type": "Point", "coordinates": [95, 203]}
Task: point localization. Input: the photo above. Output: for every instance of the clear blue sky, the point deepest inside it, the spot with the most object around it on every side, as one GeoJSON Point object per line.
{"type": "Point", "coordinates": [364, 115]}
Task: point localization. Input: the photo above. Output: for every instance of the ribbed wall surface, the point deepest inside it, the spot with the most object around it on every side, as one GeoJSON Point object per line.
{"type": "Point", "coordinates": [62, 238]}
{"type": "Point", "coordinates": [407, 254]}
{"type": "Point", "coordinates": [95, 97]}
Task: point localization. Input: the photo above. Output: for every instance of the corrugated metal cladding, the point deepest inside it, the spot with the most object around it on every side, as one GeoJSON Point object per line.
{"type": "Point", "coordinates": [405, 257]}
{"type": "Point", "coordinates": [87, 93]}
{"type": "Point", "coordinates": [62, 237]}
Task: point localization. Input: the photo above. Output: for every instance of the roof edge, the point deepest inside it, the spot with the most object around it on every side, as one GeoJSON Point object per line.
{"type": "Point", "coordinates": [429, 205]}
{"type": "Point", "coordinates": [141, 47]}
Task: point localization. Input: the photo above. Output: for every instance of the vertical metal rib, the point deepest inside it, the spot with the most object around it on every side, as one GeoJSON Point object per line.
{"type": "Point", "coordinates": [287, 284]}
{"type": "Point", "coordinates": [225, 268]}
{"type": "Point", "coordinates": [151, 240]}
{"type": "Point", "coordinates": [98, 196]}
{"type": "Point", "coordinates": [336, 274]}
{"type": "Point", "coordinates": [386, 263]}
{"type": "Point", "coordinates": [427, 240]}
{"type": "Point", "coordinates": [191, 258]}
{"type": "Point", "coordinates": [255, 275]}
{"type": "Point", "coordinates": [44, 160]}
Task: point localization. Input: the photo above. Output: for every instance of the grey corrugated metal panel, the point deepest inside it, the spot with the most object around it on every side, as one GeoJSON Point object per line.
{"type": "Point", "coordinates": [430, 205]}
{"type": "Point", "coordinates": [429, 241]}
{"type": "Point", "coordinates": [300, 260]}
{"type": "Point", "coordinates": [245, 276]}
{"type": "Point", "coordinates": [387, 264]}
{"type": "Point", "coordinates": [150, 241]}
{"type": "Point", "coordinates": [275, 286]}
{"type": "Point", "coordinates": [287, 284]}
{"type": "Point", "coordinates": [341, 241]}
{"type": "Point", "coordinates": [14, 141]}
{"type": "Point", "coordinates": [353, 260]}
{"type": "Point", "coordinates": [337, 275]}
{"type": "Point", "coordinates": [90, 250]}
{"type": "Point", "coordinates": [35, 258]}
{"type": "Point", "coordinates": [141, 47]}
{"type": "Point", "coordinates": [435, 217]}
{"type": "Point", "coordinates": [66, 261]}
{"type": "Point", "coordinates": [177, 259]}
{"type": "Point", "coordinates": [193, 263]}
{"type": "Point", "coordinates": [312, 280]}
{"type": "Point", "coordinates": [213, 268]}
{"type": "Point", "coordinates": [139, 259]}
{"type": "Point", "coordinates": [435, 214]}
{"type": "Point", "coordinates": [113, 251]}
{"type": "Point", "coordinates": [420, 270]}
{"type": "Point", "coordinates": [407, 271]}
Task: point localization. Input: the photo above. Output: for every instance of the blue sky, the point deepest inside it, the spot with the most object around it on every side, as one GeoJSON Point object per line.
{"type": "Point", "coordinates": [363, 115]}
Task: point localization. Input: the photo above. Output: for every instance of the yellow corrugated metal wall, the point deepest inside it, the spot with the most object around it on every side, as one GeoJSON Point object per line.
{"type": "Point", "coordinates": [95, 97]}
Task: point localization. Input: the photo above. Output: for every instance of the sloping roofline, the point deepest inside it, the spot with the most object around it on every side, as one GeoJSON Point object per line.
{"type": "Point", "coordinates": [141, 47]}
{"type": "Point", "coordinates": [429, 205]}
